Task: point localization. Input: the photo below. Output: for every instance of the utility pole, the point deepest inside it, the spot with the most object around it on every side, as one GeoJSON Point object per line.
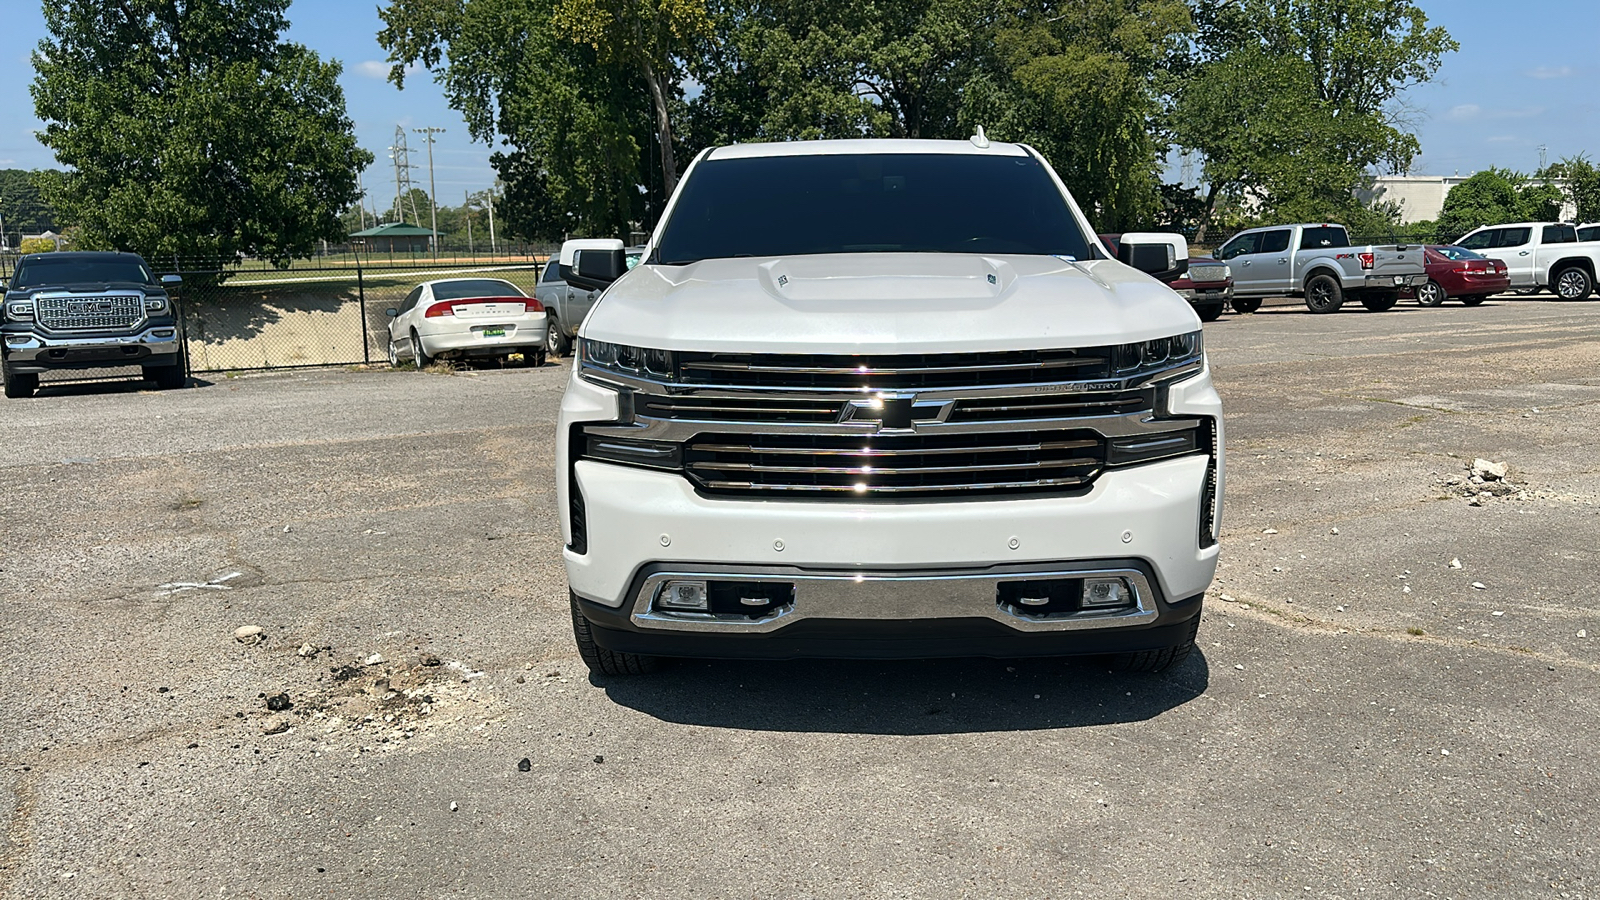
{"type": "Point", "coordinates": [492, 248]}
{"type": "Point", "coordinates": [433, 196]}
{"type": "Point", "coordinates": [466, 204]}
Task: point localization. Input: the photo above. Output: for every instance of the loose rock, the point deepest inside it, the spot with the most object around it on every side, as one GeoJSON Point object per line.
{"type": "Point", "coordinates": [1488, 470]}
{"type": "Point", "coordinates": [375, 659]}
{"type": "Point", "coordinates": [279, 702]}
{"type": "Point", "coordinates": [599, 759]}
{"type": "Point", "coordinates": [307, 651]}
{"type": "Point", "coordinates": [1269, 531]}
{"type": "Point", "coordinates": [247, 634]}
{"type": "Point", "coordinates": [525, 765]}
{"type": "Point", "coordinates": [428, 659]}
{"type": "Point", "coordinates": [275, 725]}
{"type": "Point", "coordinates": [1479, 586]}
{"type": "Point", "coordinates": [1455, 563]}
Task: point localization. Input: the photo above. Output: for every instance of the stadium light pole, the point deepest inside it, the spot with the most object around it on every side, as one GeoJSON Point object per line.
{"type": "Point", "coordinates": [433, 195]}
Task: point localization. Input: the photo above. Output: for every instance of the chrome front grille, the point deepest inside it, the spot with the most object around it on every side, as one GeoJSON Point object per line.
{"type": "Point", "coordinates": [822, 411]}
{"type": "Point", "coordinates": [893, 373]}
{"type": "Point", "coordinates": [88, 312]}
{"type": "Point", "coordinates": [1207, 273]}
{"type": "Point", "coordinates": [893, 466]}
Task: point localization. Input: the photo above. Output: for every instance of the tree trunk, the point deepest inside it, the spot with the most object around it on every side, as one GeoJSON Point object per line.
{"type": "Point", "coordinates": [1205, 220]}
{"type": "Point", "coordinates": [658, 98]}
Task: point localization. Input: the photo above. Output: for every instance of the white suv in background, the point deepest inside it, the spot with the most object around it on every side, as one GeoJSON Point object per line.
{"type": "Point", "coordinates": [886, 399]}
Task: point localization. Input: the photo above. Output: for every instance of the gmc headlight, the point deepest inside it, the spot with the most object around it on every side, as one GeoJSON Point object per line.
{"type": "Point", "coordinates": [639, 362]}
{"type": "Point", "coordinates": [19, 309]}
{"type": "Point", "coordinates": [1132, 360]}
{"type": "Point", "coordinates": [155, 304]}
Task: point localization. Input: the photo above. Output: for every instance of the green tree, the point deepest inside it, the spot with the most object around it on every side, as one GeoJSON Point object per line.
{"type": "Point", "coordinates": [23, 207]}
{"type": "Point", "coordinates": [1583, 185]}
{"type": "Point", "coordinates": [190, 129]}
{"type": "Point", "coordinates": [1494, 197]}
{"type": "Point", "coordinates": [1292, 102]}
{"type": "Point", "coordinates": [578, 118]}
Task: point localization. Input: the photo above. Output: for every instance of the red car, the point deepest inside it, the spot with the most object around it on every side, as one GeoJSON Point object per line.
{"type": "Point", "coordinates": [1208, 285]}
{"type": "Point", "coordinates": [1460, 273]}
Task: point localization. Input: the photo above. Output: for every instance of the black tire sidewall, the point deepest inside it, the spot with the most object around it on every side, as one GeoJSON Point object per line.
{"type": "Point", "coordinates": [1336, 291]}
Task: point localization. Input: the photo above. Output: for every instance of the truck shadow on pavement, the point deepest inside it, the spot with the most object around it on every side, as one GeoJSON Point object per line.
{"type": "Point", "coordinates": [950, 696]}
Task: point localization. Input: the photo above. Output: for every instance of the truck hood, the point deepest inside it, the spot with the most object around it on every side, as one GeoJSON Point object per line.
{"type": "Point", "coordinates": [886, 303]}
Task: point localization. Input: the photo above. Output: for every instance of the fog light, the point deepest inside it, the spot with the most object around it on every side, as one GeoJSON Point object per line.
{"type": "Point", "coordinates": [689, 595]}
{"type": "Point", "coordinates": [1106, 593]}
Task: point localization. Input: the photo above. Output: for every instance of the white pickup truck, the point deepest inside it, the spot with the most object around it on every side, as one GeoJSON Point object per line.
{"type": "Point", "coordinates": [886, 399]}
{"type": "Point", "coordinates": [1317, 262]}
{"type": "Point", "coordinates": [1541, 255]}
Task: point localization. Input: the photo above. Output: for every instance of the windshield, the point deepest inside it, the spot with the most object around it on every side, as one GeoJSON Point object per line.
{"type": "Point", "coordinates": [44, 271]}
{"type": "Point", "coordinates": [870, 203]}
{"type": "Point", "coordinates": [468, 288]}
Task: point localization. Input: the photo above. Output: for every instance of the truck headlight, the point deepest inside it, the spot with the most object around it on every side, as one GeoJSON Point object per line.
{"type": "Point", "coordinates": [21, 310]}
{"type": "Point", "coordinates": [155, 304]}
{"type": "Point", "coordinates": [624, 359]}
{"type": "Point", "coordinates": [1132, 360]}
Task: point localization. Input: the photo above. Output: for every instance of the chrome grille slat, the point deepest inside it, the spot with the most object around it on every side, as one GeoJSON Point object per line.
{"type": "Point", "coordinates": [876, 470]}
{"type": "Point", "coordinates": [995, 486]}
{"type": "Point", "coordinates": [899, 465]}
{"type": "Point", "coordinates": [87, 312]}
{"type": "Point", "coordinates": [876, 452]}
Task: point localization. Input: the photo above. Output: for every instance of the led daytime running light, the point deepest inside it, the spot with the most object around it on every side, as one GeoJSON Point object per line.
{"type": "Point", "coordinates": [625, 359]}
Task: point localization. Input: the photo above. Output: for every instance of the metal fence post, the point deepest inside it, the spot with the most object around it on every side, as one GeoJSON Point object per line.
{"type": "Point", "coordinates": [361, 292]}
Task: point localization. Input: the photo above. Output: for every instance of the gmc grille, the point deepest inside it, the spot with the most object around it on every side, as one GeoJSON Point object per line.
{"type": "Point", "coordinates": [59, 312]}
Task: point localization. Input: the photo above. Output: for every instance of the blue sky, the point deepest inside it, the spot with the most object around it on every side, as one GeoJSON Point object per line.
{"type": "Point", "coordinates": [1519, 82]}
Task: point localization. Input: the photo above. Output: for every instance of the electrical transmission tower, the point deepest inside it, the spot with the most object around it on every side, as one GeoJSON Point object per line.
{"type": "Point", "coordinates": [402, 176]}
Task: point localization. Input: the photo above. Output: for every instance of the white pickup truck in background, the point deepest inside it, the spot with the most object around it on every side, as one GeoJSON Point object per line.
{"type": "Point", "coordinates": [1317, 262]}
{"type": "Point", "coordinates": [1541, 255]}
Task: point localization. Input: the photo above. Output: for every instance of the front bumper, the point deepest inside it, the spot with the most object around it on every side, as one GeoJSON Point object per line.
{"type": "Point", "coordinates": [1202, 295]}
{"type": "Point", "coordinates": [26, 350]}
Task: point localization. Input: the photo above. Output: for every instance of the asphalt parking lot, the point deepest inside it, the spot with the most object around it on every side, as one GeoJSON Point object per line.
{"type": "Point", "coordinates": [1397, 697]}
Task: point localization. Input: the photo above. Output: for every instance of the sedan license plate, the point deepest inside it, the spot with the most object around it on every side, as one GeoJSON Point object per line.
{"type": "Point", "coordinates": [494, 332]}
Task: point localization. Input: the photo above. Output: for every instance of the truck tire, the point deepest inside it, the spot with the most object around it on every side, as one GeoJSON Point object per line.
{"type": "Point", "coordinates": [1160, 659]}
{"type": "Point", "coordinates": [557, 343]}
{"type": "Point", "coordinates": [1572, 283]}
{"type": "Point", "coordinates": [1474, 300]}
{"type": "Point", "coordinates": [1210, 312]}
{"type": "Point", "coordinates": [1382, 302]}
{"type": "Point", "coordinates": [20, 385]}
{"type": "Point", "coordinates": [1324, 294]}
{"type": "Point", "coordinates": [600, 660]}
{"type": "Point", "coordinates": [1431, 294]}
{"type": "Point", "coordinates": [1246, 305]}
{"type": "Point", "coordinates": [167, 378]}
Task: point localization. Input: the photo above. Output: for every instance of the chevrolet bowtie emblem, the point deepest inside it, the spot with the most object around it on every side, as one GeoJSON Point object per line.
{"type": "Point", "coordinates": [897, 412]}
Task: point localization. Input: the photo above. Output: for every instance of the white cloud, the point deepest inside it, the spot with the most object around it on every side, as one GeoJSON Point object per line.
{"type": "Point", "coordinates": [1502, 139]}
{"type": "Point", "coordinates": [373, 68]}
{"type": "Point", "coordinates": [1547, 72]}
{"type": "Point", "coordinates": [7, 162]}
{"type": "Point", "coordinates": [1472, 112]}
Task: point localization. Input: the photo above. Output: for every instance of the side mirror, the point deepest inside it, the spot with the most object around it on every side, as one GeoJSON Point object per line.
{"type": "Point", "coordinates": [1162, 256]}
{"type": "Point", "coordinates": [391, 312]}
{"type": "Point", "coordinates": [592, 264]}
{"type": "Point", "coordinates": [171, 280]}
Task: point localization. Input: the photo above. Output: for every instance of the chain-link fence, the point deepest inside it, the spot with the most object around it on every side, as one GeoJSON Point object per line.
{"type": "Point", "coordinates": [305, 317]}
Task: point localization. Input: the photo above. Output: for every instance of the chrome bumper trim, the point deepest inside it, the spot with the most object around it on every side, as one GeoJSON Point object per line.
{"type": "Point", "coordinates": [28, 346]}
{"type": "Point", "coordinates": [894, 596]}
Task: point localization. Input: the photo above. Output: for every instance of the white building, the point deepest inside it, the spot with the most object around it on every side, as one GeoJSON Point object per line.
{"type": "Point", "coordinates": [1421, 197]}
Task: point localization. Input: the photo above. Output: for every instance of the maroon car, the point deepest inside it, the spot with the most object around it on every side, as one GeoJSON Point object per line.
{"type": "Point", "coordinates": [1208, 285]}
{"type": "Point", "coordinates": [1460, 273]}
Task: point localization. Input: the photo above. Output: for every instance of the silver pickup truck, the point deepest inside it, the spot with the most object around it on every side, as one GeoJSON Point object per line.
{"type": "Point", "coordinates": [1317, 262]}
